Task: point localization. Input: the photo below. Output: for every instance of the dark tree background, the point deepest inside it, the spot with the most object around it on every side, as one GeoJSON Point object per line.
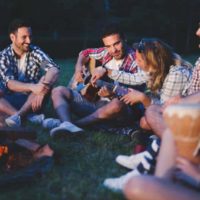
{"type": "Point", "coordinates": [64, 27]}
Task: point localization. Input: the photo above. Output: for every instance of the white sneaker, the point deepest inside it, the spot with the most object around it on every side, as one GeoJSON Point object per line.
{"type": "Point", "coordinates": [117, 184]}
{"type": "Point", "coordinates": [13, 121]}
{"type": "Point", "coordinates": [131, 162]}
{"type": "Point", "coordinates": [36, 119]}
{"type": "Point", "coordinates": [66, 127]}
{"type": "Point", "coordinates": [51, 123]}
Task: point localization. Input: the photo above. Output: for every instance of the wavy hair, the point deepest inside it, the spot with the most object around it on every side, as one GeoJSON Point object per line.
{"type": "Point", "coordinates": [159, 57]}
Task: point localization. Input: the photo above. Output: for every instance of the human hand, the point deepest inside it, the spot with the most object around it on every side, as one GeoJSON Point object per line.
{"type": "Point", "coordinates": [186, 167]}
{"type": "Point", "coordinates": [132, 97]}
{"type": "Point", "coordinates": [97, 74]}
{"type": "Point", "coordinates": [172, 100]}
{"type": "Point", "coordinates": [37, 102]}
{"type": "Point", "coordinates": [105, 92]}
{"type": "Point", "coordinates": [40, 88]}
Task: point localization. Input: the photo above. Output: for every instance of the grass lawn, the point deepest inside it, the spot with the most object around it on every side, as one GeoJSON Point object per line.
{"type": "Point", "coordinates": [84, 162]}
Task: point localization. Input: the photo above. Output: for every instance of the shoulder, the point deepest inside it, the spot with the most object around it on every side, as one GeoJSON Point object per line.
{"type": "Point", "coordinates": [36, 51]}
{"type": "Point", "coordinates": [7, 51]}
{"type": "Point", "coordinates": [130, 53]}
{"type": "Point", "coordinates": [180, 70]}
{"type": "Point", "coordinates": [197, 64]}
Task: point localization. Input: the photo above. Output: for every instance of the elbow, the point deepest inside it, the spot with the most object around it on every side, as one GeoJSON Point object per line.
{"type": "Point", "coordinates": [56, 72]}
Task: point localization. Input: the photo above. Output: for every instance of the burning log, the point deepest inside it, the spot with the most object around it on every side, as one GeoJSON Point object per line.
{"type": "Point", "coordinates": [16, 133]}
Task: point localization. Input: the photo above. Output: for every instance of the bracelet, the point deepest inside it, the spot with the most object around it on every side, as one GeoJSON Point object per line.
{"type": "Point", "coordinates": [47, 84]}
{"type": "Point", "coordinates": [106, 72]}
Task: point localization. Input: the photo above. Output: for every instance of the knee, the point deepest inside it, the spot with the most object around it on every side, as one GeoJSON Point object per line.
{"type": "Point", "coordinates": [111, 109]}
{"type": "Point", "coordinates": [134, 188]}
{"type": "Point", "coordinates": [152, 111]}
{"type": "Point", "coordinates": [115, 106]}
{"type": "Point", "coordinates": [60, 92]}
{"type": "Point", "coordinates": [144, 124]}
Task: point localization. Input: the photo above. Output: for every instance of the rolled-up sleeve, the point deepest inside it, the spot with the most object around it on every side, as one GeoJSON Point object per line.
{"type": "Point", "coordinates": [136, 78]}
{"type": "Point", "coordinates": [44, 60]}
{"type": "Point", "coordinates": [6, 72]}
{"type": "Point", "coordinates": [96, 53]}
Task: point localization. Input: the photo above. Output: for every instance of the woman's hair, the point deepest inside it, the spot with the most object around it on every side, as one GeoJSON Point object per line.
{"type": "Point", "coordinates": [159, 57]}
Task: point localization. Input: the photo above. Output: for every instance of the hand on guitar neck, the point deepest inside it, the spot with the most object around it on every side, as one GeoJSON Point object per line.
{"type": "Point", "coordinates": [91, 92]}
{"type": "Point", "coordinates": [116, 90]}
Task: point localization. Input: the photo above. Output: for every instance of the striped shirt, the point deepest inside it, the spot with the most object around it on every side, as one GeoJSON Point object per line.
{"type": "Point", "coordinates": [36, 60]}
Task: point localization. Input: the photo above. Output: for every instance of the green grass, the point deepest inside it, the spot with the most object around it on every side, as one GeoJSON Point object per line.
{"type": "Point", "coordinates": [83, 165]}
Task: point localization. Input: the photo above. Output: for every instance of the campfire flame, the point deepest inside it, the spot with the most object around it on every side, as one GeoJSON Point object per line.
{"type": "Point", "coordinates": [3, 150]}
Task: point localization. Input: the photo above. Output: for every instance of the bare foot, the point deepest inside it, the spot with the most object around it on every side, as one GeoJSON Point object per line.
{"type": "Point", "coordinates": [43, 151]}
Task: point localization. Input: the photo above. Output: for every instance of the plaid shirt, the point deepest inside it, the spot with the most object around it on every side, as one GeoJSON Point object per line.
{"type": "Point", "coordinates": [175, 83]}
{"type": "Point", "coordinates": [129, 73]}
{"type": "Point", "coordinates": [195, 82]}
{"type": "Point", "coordinates": [36, 60]}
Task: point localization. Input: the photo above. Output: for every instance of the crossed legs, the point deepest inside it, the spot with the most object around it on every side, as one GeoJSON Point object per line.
{"type": "Point", "coordinates": [62, 97]}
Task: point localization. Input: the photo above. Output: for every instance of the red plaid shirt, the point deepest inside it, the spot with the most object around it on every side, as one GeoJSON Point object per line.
{"type": "Point", "coordinates": [102, 55]}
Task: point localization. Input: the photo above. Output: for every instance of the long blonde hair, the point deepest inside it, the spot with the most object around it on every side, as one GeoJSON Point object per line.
{"type": "Point", "coordinates": [159, 57]}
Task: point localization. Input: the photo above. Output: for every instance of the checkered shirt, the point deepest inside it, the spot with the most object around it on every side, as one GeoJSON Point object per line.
{"type": "Point", "coordinates": [195, 82]}
{"type": "Point", "coordinates": [175, 83]}
{"type": "Point", "coordinates": [36, 60]}
{"type": "Point", "coordinates": [129, 73]}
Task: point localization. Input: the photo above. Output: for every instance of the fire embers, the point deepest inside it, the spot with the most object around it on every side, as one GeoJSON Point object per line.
{"type": "Point", "coordinates": [3, 150]}
{"type": "Point", "coordinates": [13, 157]}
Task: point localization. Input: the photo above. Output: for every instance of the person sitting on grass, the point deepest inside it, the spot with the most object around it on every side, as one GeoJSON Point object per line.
{"type": "Point", "coordinates": [175, 177]}
{"type": "Point", "coordinates": [114, 55]}
{"type": "Point", "coordinates": [153, 119]}
{"type": "Point", "coordinates": [153, 116]}
{"type": "Point", "coordinates": [169, 76]}
{"type": "Point", "coordinates": [23, 87]}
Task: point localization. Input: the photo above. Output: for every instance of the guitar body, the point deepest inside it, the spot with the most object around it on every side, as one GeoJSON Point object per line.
{"type": "Point", "coordinates": [90, 92]}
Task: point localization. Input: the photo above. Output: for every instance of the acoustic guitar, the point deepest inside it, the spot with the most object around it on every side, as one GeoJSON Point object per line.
{"type": "Point", "coordinates": [90, 92]}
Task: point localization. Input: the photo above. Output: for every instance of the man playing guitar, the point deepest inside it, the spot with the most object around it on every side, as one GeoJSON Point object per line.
{"type": "Point", "coordinates": [115, 56]}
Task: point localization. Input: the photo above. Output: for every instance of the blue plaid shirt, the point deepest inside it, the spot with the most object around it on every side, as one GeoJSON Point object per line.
{"type": "Point", "coordinates": [36, 60]}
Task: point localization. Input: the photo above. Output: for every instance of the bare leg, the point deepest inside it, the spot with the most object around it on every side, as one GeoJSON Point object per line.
{"type": "Point", "coordinates": [144, 124]}
{"type": "Point", "coordinates": [155, 119]}
{"type": "Point", "coordinates": [60, 97]}
{"type": "Point", "coordinates": [27, 107]}
{"type": "Point", "coordinates": [6, 107]}
{"type": "Point", "coordinates": [3, 116]}
{"type": "Point", "coordinates": [153, 188]}
{"type": "Point", "coordinates": [109, 111]}
{"type": "Point", "coordinates": [167, 156]}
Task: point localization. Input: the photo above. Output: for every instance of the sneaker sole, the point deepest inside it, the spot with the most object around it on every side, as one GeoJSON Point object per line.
{"type": "Point", "coordinates": [124, 165]}
{"type": "Point", "coordinates": [63, 132]}
{"type": "Point", "coordinates": [10, 123]}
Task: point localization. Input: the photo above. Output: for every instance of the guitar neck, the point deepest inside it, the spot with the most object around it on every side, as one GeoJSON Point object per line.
{"type": "Point", "coordinates": [119, 91]}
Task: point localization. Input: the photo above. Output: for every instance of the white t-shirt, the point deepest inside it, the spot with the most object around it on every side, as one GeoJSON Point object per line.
{"type": "Point", "coordinates": [22, 67]}
{"type": "Point", "coordinates": [114, 64]}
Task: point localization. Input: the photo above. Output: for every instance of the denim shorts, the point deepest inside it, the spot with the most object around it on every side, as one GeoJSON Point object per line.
{"type": "Point", "coordinates": [16, 99]}
{"type": "Point", "coordinates": [82, 107]}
